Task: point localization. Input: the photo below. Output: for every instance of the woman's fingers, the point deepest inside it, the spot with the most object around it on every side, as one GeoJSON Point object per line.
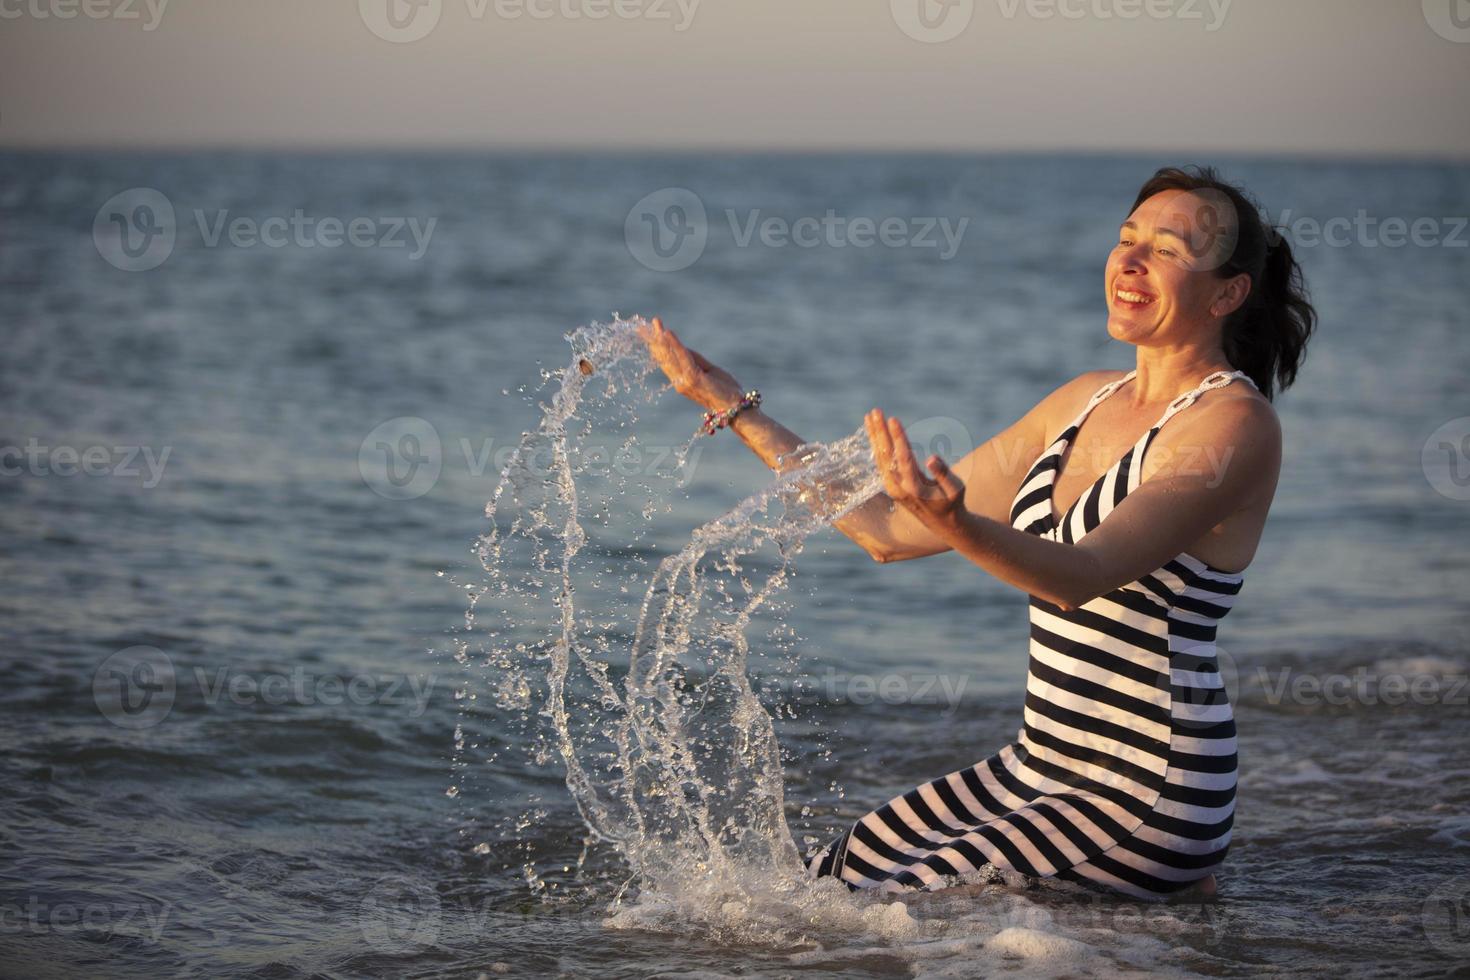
{"type": "Point", "coordinates": [944, 477]}
{"type": "Point", "coordinates": [882, 452]}
{"type": "Point", "coordinates": [903, 453]}
{"type": "Point", "coordinates": [905, 469]}
{"type": "Point", "coordinates": [878, 436]}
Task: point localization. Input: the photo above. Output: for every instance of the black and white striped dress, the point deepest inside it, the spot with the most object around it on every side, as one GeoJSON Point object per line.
{"type": "Point", "coordinates": [1123, 773]}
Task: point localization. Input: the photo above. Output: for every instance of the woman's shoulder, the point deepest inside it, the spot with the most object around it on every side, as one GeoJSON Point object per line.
{"type": "Point", "coordinates": [1235, 418]}
{"type": "Point", "coordinates": [1072, 396]}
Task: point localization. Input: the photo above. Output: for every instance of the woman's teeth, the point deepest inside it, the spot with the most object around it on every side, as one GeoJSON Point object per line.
{"type": "Point", "coordinates": [1130, 297]}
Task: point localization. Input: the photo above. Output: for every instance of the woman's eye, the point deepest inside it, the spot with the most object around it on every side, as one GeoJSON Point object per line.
{"type": "Point", "coordinates": [1166, 251]}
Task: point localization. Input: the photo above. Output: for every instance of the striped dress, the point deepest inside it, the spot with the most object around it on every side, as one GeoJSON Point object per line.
{"type": "Point", "coordinates": [1123, 773]}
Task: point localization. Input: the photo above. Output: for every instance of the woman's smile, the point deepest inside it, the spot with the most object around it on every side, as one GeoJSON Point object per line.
{"type": "Point", "coordinates": [1132, 299]}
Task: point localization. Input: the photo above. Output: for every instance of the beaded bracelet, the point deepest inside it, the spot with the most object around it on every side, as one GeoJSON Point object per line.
{"type": "Point", "coordinates": [714, 421]}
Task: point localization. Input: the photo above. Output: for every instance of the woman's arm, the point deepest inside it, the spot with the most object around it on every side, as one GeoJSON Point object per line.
{"type": "Point", "coordinates": [1162, 518]}
{"type": "Point", "coordinates": [991, 471]}
{"type": "Point", "coordinates": [886, 533]}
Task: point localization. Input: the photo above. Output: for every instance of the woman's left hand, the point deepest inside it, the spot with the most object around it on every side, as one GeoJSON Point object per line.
{"type": "Point", "coordinates": [937, 501]}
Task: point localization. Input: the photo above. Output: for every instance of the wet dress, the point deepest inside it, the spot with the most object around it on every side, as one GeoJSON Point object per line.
{"type": "Point", "coordinates": [1123, 773]}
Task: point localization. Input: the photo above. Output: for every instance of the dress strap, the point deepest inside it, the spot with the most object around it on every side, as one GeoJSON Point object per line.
{"type": "Point", "coordinates": [1217, 380]}
{"type": "Point", "coordinates": [1107, 390]}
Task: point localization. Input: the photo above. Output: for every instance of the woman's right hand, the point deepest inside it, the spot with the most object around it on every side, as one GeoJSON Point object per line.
{"type": "Point", "coordinates": [691, 374]}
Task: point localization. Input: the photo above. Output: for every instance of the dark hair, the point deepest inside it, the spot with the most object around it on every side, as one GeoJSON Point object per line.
{"type": "Point", "coordinates": [1267, 337]}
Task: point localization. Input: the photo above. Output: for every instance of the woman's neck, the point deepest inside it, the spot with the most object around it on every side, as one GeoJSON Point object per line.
{"type": "Point", "coordinates": [1163, 376]}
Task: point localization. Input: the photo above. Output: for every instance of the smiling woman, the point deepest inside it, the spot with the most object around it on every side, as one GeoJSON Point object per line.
{"type": "Point", "coordinates": [1123, 775]}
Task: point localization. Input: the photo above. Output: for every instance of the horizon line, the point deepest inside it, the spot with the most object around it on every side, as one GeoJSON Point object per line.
{"type": "Point", "coordinates": [432, 148]}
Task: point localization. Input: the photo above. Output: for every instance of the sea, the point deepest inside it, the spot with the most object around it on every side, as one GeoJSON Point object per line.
{"type": "Point", "coordinates": [253, 407]}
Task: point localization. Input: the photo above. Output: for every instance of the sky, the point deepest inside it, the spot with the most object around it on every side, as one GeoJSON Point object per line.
{"type": "Point", "coordinates": [1281, 77]}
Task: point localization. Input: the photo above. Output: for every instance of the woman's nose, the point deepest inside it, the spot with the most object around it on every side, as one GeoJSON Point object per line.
{"type": "Point", "coordinates": [1132, 259]}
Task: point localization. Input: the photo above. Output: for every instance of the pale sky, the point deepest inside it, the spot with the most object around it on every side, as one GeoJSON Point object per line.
{"type": "Point", "coordinates": [1359, 77]}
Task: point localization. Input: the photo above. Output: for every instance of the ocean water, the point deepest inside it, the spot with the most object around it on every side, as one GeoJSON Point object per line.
{"type": "Point", "coordinates": [243, 490]}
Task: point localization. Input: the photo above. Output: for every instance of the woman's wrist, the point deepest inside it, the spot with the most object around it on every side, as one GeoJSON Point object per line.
{"type": "Point", "coordinates": [953, 527]}
{"type": "Point", "coordinates": [715, 420]}
{"type": "Point", "coordinates": [719, 402]}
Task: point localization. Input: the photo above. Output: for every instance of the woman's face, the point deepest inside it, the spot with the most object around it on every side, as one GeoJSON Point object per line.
{"type": "Point", "coordinates": [1162, 282]}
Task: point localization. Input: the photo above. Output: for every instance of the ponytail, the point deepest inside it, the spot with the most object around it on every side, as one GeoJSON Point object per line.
{"type": "Point", "coordinates": [1267, 337]}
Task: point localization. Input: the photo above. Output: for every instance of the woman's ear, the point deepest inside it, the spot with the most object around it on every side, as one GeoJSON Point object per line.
{"type": "Point", "coordinates": [1232, 295]}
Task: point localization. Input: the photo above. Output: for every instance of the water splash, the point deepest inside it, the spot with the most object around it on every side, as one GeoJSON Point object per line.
{"type": "Point", "coordinates": [647, 708]}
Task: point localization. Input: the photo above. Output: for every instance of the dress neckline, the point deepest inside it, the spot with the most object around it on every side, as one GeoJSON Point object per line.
{"type": "Point", "coordinates": [1218, 379]}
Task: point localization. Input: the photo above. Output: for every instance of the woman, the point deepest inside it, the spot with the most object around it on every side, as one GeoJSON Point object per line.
{"type": "Point", "coordinates": [1130, 547]}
